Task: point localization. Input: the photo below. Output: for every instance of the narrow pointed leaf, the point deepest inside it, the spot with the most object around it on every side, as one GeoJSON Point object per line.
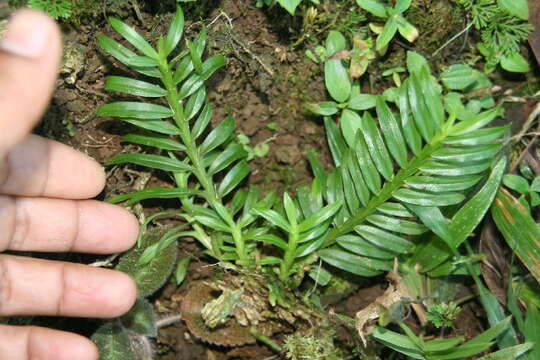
{"type": "Point", "coordinates": [152, 161]}
{"type": "Point", "coordinates": [273, 217]}
{"type": "Point", "coordinates": [359, 246]}
{"type": "Point", "coordinates": [154, 193]}
{"type": "Point", "coordinates": [368, 167]}
{"type": "Point", "coordinates": [387, 34]}
{"type": "Point", "coordinates": [392, 132]}
{"type": "Point", "coordinates": [135, 110]}
{"type": "Point", "coordinates": [376, 146]}
{"type": "Point", "coordinates": [175, 31]}
{"type": "Point", "coordinates": [478, 137]}
{"type": "Point", "coordinates": [233, 178]}
{"type": "Point", "coordinates": [384, 239]}
{"type": "Point", "coordinates": [335, 141]}
{"type": "Point", "coordinates": [346, 261]}
{"type": "Point", "coordinates": [442, 184]}
{"type": "Point", "coordinates": [319, 217]}
{"type": "Point", "coordinates": [159, 126]}
{"type": "Point", "coordinates": [133, 87]}
{"type": "Point", "coordinates": [225, 158]}
{"type": "Point", "coordinates": [218, 135]}
{"type": "Point", "coordinates": [424, 198]}
{"type": "Point", "coordinates": [161, 142]}
{"type": "Point", "coordinates": [211, 65]}
{"type": "Point", "coordinates": [397, 225]}
{"type": "Point", "coordinates": [133, 38]}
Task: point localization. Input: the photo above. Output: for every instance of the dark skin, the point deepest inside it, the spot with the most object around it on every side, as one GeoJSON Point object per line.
{"type": "Point", "coordinates": [44, 187]}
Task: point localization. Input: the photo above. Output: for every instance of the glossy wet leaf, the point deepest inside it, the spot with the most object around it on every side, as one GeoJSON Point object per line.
{"type": "Point", "coordinates": [161, 142]}
{"type": "Point", "coordinates": [151, 161]}
{"type": "Point", "coordinates": [133, 38]}
{"type": "Point", "coordinates": [134, 110]}
{"type": "Point", "coordinates": [133, 87]}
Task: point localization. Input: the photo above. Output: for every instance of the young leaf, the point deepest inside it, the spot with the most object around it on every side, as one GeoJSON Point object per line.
{"type": "Point", "coordinates": [289, 5]}
{"type": "Point", "coordinates": [175, 31]}
{"type": "Point", "coordinates": [133, 38]}
{"type": "Point", "coordinates": [387, 34]}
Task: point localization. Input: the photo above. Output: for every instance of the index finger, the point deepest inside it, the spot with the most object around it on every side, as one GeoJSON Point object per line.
{"type": "Point", "coordinates": [30, 54]}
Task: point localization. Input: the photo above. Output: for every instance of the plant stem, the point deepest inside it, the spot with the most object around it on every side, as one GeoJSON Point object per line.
{"type": "Point", "coordinates": [193, 154]}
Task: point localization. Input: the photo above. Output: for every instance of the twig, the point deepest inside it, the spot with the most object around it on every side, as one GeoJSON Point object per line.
{"type": "Point", "coordinates": [452, 39]}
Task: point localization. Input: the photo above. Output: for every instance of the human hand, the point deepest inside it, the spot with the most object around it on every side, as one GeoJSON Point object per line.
{"type": "Point", "coordinates": [43, 185]}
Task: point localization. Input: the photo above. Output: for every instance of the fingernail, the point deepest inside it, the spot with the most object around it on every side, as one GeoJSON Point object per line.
{"type": "Point", "coordinates": [27, 34]}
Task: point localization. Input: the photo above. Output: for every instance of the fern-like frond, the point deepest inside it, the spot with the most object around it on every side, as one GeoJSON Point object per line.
{"type": "Point", "coordinates": [420, 156]}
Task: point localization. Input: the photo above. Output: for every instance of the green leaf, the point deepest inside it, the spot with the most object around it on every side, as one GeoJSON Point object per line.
{"type": "Point", "coordinates": [336, 78]}
{"type": "Point", "coordinates": [152, 161]}
{"type": "Point", "coordinates": [335, 141]}
{"type": "Point", "coordinates": [335, 41]}
{"type": "Point", "coordinates": [289, 5]}
{"type": "Point", "coordinates": [387, 34]}
{"type": "Point", "coordinates": [535, 185]}
{"type": "Point", "coordinates": [376, 146]}
{"type": "Point", "coordinates": [359, 246]}
{"type": "Point", "coordinates": [151, 276]}
{"type": "Point", "coordinates": [428, 199]}
{"type": "Point", "coordinates": [374, 7]}
{"type": "Point", "coordinates": [518, 8]}
{"type": "Point", "coordinates": [362, 101]}
{"type": "Point", "coordinates": [218, 135]}
{"type": "Point", "coordinates": [211, 65]}
{"type": "Point", "coordinates": [225, 158]}
{"type": "Point", "coordinates": [159, 126]}
{"type": "Point", "coordinates": [133, 87]}
{"type": "Point", "coordinates": [516, 182]}
{"type": "Point", "coordinates": [161, 142]}
{"type": "Point", "coordinates": [273, 217]}
{"type": "Point", "coordinates": [181, 270]}
{"type": "Point", "coordinates": [392, 132]}
{"type": "Point", "coordinates": [175, 31]}
{"type": "Point", "coordinates": [511, 353]}
{"type": "Point", "coordinates": [384, 239]}
{"type": "Point", "coordinates": [133, 38]}
{"type": "Point", "coordinates": [515, 63]}
{"type": "Point", "coordinates": [233, 178]}
{"type": "Point", "coordinates": [519, 230]}
{"type": "Point", "coordinates": [274, 240]}
{"type": "Point", "coordinates": [192, 84]}
{"type": "Point", "coordinates": [135, 110]}
{"type": "Point", "coordinates": [458, 77]}
{"type": "Point", "coordinates": [124, 55]}
{"type": "Point", "coordinates": [350, 124]}
{"type": "Point", "coordinates": [403, 5]}
{"type": "Point", "coordinates": [476, 122]}
{"type": "Point", "coordinates": [154, 193]}
{"type": "Point", "coordinates": [348, 262]}
{"type": "Point", "coordinates": [113, 342]}
{"type": "Point", "coordinates": [398, 342]}
{"type": "Point", "coordinates": [202, 121]}
{"type": "Point", "coordinates": [140, 319]}
{"type": "Point", "coordinates": [195, 103]}
{"type": "Point", "coordinates": [319, 217]}
{"type": "Point", "coordinates": [324, 108]}
{"type": "Point", "coordinates": [183, 70]}
{"type": "Point", "coordinates": [406, 29]}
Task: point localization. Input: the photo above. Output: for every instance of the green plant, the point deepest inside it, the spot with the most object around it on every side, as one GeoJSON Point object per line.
{"type": "Point", "coordinates": [415, 347]}
{"type": "Point", "coordinates": [55, 8]}
{"type": "Point", "coordinates": [443, 314]}
{"type": "Point", "coordinates": [503, 26]}
{"type": "Point", "coordinates": [289, 5]}
{"type": "Point", "coordinates": [395, 21]}
{"type": "Point", "coordinates": [522, 186]}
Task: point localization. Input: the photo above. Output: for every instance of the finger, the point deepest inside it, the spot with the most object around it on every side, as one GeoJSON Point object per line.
{"type": "Point", "coordinates": [30, 55]}
{"type": "Point", "coordinates": [31, 342]}
{"type": "Point", "coordinates": [42, 167]}
{"type": "Point", "coordinates": [42, 287]}
{"type": "Point", "coordinates": [39, 224]}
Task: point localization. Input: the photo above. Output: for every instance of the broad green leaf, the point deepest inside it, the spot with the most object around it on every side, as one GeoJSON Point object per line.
{"type": "Point", "coordinates": [175, 31]}
{"type": "Point", "coordinates": [458, 77]}
{"type": "Point", "coordinates": [140, 319]}
{"type": "Point", "coordinates": [406, 29]}
{"type": "Point", "coordinates": [518, 8]}
{"type": "Point", "coordinates": [113, 342]}
{"type": "Point", "coordinates": [516, 182]}
{"type": "Point", "coordinates": [134, 110]}
{"type": "Point", "coordinates": [159, 126]}
{"type": "Point", "coordinates": [335, 41]}
{"type": "Point", "coordinates": [515, 63]}
{"type": "Point", "coordinates": [324, 108]}
{"type": "Point", "coordinates": [289, 5]}
{"type": "Point", "coordinates": [336, 78]}
{"type": "Point", "coordinates": [350, 124]}
{"type": "Point", "coordinates": [403, 5]}
{"type": "Point", "coordinates": [346, 261]}
{"type": "Point", "coordinates": [133, 87]}
{"type": "Point", "coordinates": [218, 135]}
{"type": "Point", "coordinates": [374, 7]}
{"type": "Point", "coordinates": [154, 193]}
{"type": "Point", "coordinates": [519, 229]}
{"type": "Point", "coordinates": [133, 38]}
{"type": "Point", "coordinates": [152, 161]}
{"type": "Point", "coordinates": [161, 142]}
{"type": "Point", "coordinates": [362, 101]}
{"type": "Point", "coordinates": [151, 276]}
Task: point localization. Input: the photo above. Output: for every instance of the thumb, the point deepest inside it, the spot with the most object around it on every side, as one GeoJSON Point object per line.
{"type": "Point", "coordinates": [30, 54]}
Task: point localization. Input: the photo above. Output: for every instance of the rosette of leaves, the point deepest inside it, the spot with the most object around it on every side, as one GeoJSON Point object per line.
{"type": "Point", "coordinates": [401, 169]}
{"type": "Point", "coordinates": [395, 21]}
{"type": "Point", "coordinates": [206, 164]}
